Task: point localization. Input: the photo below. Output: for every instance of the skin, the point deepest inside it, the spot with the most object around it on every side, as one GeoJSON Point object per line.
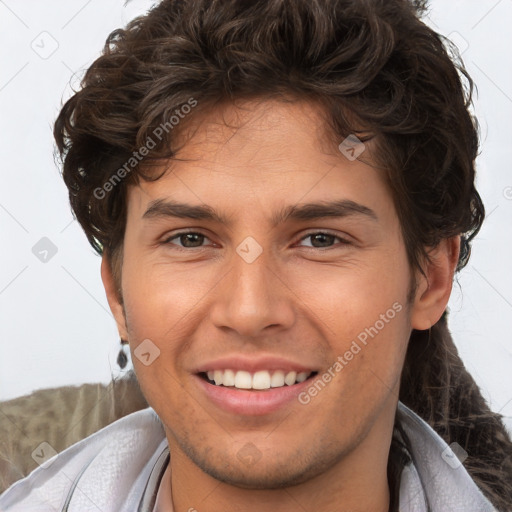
{"type": "Point", "coordinates": [298, 300]}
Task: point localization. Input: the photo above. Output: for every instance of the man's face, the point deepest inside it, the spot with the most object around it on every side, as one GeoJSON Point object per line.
{"type": "Point", "coordinates": [265, 291]}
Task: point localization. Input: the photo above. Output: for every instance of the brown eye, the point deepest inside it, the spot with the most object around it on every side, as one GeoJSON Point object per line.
{"type": "Point", "coordinates": [321, 240]}
{"type": "Point", "coordinates": [188, 240]}
{"type": "Point", "coordinates": [192, 240]}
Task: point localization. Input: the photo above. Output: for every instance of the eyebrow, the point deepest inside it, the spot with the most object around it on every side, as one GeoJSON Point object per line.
{"type": "Point", "coordinates": [164, 208]}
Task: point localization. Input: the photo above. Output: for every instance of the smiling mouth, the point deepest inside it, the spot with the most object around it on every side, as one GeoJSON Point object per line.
{"type": "Point", "coordinates": [258, 381]}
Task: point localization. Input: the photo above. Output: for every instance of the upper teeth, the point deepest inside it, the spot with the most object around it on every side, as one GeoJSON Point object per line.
{"type": "Point", "coordinates": [258, 380]}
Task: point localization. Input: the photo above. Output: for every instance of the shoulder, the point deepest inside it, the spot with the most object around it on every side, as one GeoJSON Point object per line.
{"type": "Point", "coordinates": [60, 417]}
{"type": "Point", "coordinates": [116, 457]}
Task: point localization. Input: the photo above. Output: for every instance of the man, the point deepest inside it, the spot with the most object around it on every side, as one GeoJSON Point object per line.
{"type": "Point", "coordinates": [281, 192]}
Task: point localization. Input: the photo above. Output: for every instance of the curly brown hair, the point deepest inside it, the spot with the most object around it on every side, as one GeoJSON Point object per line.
{"type": "Point", "coordinates": [377, 71]}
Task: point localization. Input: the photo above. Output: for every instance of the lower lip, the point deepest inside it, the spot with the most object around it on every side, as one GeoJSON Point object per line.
{"type": "Point", "coordinates": [251, 403]}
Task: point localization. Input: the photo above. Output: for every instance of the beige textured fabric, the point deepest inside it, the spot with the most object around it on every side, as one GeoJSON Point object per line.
{"type": "Point", "coordinates": [60, 417]}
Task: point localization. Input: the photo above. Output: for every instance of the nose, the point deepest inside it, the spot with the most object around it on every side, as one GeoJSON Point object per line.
{"type": "Point", "coordinates": [253, 299]}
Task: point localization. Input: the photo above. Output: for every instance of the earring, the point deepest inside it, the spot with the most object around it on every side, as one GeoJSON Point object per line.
{"type": "Point", "coordinates": [122, 358]}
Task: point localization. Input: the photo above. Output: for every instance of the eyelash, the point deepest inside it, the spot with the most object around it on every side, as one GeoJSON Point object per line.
{"type": "Point", "coordinates": [168, 240]}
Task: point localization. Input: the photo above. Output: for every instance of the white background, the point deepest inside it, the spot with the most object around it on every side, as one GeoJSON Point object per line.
{"type": "Point", "coordinates": [55, 326]}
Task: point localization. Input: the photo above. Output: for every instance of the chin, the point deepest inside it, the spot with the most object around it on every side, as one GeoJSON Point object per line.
{"type": "Point", "coordinates": [271, 471]}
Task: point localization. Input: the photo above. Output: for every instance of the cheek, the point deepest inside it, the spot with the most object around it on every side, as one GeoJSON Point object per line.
{"type": "Point", "coordinates": [159, 295]}
{"type": "Point", "coordinates": [363, 316]}
{"type": "Point", "coordinates": [166, 306]}
{"type": "Point", "coordinates": [351, 296]}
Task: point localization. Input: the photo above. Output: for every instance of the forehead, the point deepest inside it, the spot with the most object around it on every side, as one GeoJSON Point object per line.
{"type": "Point", "coordinates": [244, 126]}
{"type": "Point", "coordinates": [271, 150]}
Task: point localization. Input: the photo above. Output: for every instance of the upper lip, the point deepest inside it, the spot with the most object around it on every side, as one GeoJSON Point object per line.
{"type": "Point", "coordinates": [253, 364]}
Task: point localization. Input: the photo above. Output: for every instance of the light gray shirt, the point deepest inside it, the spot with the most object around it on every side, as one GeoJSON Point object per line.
{"type": "Point", "coordinates": [119, 468]}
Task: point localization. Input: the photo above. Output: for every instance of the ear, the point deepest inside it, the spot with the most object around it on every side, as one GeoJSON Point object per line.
{"type": "Point", "coordinates": [112, 297]}
{"type": "Point", "coordinates": [434, 288]}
